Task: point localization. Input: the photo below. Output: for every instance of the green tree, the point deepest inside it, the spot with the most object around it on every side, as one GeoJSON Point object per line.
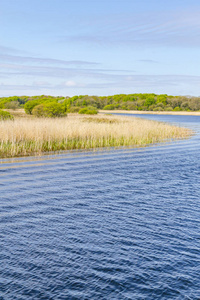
{"type": "Point", "coordinates": [149, 101]}
{"type": "Point", "coordinates": [29, 106]}
{"type": "Point", "coordinates": [49, 110]}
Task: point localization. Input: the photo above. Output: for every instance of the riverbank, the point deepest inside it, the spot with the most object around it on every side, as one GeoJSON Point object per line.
{"type": "Point", "coordinates": [141, 112]}
{"type": "Point", "coordinates": [33, 136]}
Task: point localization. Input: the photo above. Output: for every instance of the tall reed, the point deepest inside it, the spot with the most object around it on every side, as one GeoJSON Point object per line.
{"type": "Point", "coordinates": [23, 137]}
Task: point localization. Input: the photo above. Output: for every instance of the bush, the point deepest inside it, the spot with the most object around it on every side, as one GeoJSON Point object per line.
{"type": "Point", "coordinates": [168, 108]}
{"type": "Point", "coordinates": [131, 106]}
{"type": "Point", "coordinates": [38, 110]}
{"type": "Point", "coordinates": [177, 108]}
{"type": "Point", "coordinates": [158, 108]}
{"type": "Point", "coordinates": [29, 106]}
{"type": "Point", "coordinates": [109, 107]}
{"type": "Point", "coordinates": [49, 110]}
{"type": "Point", "coordinates": [12, 105]}
{"type": "Point", "coordinates": [88, 111]}
{"type": "Point", "coordinates": [74, 109]}
{"type": "Point", "coordinates": [54, 110]}
{"type": "Point", "coordinates": [5, 115]}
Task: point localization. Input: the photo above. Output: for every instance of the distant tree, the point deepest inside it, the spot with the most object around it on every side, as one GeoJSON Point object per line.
{"type": "Point", "coordinates": [149, 101]}
{"type": "Point", "coordinates": [185, 105]}
{"type": "Point", "coordinates": [162, 99]}
{"type": "Point", "coordinates": [194, 103]}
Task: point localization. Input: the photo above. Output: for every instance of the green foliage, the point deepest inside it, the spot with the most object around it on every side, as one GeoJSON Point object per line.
{"type": "Point", "coordinates": [29, 106]}
{"type": "Point", "coordinates": [162, 99]}
{"type": "Point", "coordinates": [158, 108]}
{"type": "Point", "coordinates": [177, 108]}
{"type": "Point", "coordinates": [74, 109]}
{"type": "Point", "coordinates": [149, 101]}
{"type": "Point", "coordinates": [109, 107]}
{"type": "Point", "coordinates": [38, 110]}
{"type": "Point", "coordinates": [11, 105]}
{"type": "Point", "coordinates": [88, 111]}
{"type": "Point", "coordinates": [168, 108]}
{"type": "Point", "coordinates": [48, 110]}
{"type": "Point", "coordinates": [139, 101]}
{"type": "Point", "coordinates": [53, 110]}
{"type": "Point", "coordinates": [5, 115]}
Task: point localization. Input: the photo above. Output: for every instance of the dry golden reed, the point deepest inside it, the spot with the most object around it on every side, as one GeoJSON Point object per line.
{"type": "Point", "coordinates": [32, 136]}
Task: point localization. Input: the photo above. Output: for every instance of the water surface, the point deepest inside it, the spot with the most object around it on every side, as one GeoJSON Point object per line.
{"type": "Point", "coordinates": [117, 224]}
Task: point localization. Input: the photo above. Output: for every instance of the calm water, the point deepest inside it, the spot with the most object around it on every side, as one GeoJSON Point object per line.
{"type": "Point", "coordinates": [118, 224]}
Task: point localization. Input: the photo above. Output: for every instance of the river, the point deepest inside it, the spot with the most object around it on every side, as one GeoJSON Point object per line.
{"type": "Point", "coordinates": [113, 224]}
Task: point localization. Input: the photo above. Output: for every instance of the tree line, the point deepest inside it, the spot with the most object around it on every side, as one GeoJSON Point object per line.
{"type": "Point", "coordinates": [85, 103]}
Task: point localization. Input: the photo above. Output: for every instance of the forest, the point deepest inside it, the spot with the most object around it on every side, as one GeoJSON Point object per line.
{"type": "Point", "coordinates": [142, 102]}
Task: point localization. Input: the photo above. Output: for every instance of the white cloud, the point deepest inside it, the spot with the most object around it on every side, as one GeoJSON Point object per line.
{"type": "Point", "coordinates": [70, 83]}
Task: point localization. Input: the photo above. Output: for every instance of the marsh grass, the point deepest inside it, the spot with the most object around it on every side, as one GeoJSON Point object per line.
{"type": "Point", "coordinates": [23, 137]}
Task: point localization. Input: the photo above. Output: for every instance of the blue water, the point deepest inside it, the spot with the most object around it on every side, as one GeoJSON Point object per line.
{"type": "Point", "coordinates": [114, 224]}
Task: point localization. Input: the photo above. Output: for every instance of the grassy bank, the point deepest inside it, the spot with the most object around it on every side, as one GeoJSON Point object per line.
{"type": "Point", "coordinates": [32, 136]}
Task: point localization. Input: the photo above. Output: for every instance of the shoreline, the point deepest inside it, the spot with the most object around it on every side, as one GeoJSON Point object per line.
{"type": "Point", "coordinates": [140, 112]}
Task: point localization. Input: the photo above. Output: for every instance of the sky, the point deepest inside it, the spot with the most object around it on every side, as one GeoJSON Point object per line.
{"type": "Point", "coordinates": [107, 47]}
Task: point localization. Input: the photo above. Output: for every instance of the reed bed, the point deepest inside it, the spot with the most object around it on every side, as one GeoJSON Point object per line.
{"type": "Point", "coordinates": [23, 137]}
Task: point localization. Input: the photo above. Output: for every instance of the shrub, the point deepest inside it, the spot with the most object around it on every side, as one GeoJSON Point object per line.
{"type": "Point", "coordinates": [88, 111]}
{"type": "Point", "coordinates": [12, 105]}
{"type": "Point", "coordinates": [177, 108]}
{"type": "Point", "coordinates": [109, 107]}
{"type": "Point", "coordinates": [168, 108]}
{"type": "Point", "coordinates": [29, 106]}
{"type": "Point", "coordinates": [54, 110]}
{"type": "Point", "coordinates": [151, 107]}
{"type": "Point", "coordinates": [38, 110]}
{"type": "Point", "coordinates": [158, 108]}
{"type": "Point", "coordinates": [49, 110]}
{"type": "Point", "coordinates": [74, 109]}
{"type": "Point", "coordinates": [5, 115]}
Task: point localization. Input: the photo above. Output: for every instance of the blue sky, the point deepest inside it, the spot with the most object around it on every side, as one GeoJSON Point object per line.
{"type": "Point", "coordinates": [61, 47]}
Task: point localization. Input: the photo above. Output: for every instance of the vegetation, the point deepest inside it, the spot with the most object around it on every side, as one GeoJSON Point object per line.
{"type": "Point", "coordinates": [12, 105]}
{"type": "Point", "coordinates": [48, 110]}
{"type": "Point", "coordinates": [74, 109]}
{"type": "Point", "coordinates": [88, 111]}
{"type": "Point", "coordinates": [5, 115]}
{"type": "Point", "coordinates": [29, 106]}
{"type": "Point", "coordinates": [141, 102]}
{"type": "Point", "coordinates": [48, 132]}
{"type": "Point", "coordinates": [30, 136]}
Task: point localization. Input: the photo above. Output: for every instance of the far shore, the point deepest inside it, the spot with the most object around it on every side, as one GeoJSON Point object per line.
{"type": "Point", "coordinates": [140, 112]}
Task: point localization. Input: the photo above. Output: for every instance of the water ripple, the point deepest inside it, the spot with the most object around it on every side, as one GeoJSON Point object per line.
{"type": "Point", "coordinates": [117, 224]}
